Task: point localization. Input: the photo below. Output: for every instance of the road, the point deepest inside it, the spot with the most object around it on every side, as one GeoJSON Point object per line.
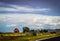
{"type": "Point", "coordinates": [51, 39]}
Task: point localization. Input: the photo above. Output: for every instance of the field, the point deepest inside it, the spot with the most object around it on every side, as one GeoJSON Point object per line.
{"type": "Point", "coordinates": [25, 37]}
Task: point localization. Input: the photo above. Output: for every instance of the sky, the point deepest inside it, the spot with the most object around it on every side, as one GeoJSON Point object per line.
{"type": "Point", "coordinates": [35, 14]}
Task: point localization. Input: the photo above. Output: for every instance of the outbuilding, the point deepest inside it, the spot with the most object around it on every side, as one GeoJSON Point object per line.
{"type": "Point", "coordinates": [16, 30]}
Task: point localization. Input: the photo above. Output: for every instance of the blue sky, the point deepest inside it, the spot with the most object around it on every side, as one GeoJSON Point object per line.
{"type": "Point", "coordinates": [35, 14]}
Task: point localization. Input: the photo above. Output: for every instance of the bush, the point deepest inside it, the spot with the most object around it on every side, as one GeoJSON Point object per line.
{"type": "Point", "coordinates": [52, 32]}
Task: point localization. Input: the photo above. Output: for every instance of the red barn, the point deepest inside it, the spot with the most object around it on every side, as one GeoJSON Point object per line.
{"type": "Point", "coordinates": [16, 30]}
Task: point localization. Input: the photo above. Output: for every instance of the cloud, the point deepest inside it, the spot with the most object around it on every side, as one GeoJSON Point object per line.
{"type": "Point", "coordinates": [16, 8]}
{"type": "Point", "coordinates": [26, 9]}
{"type": "Point", "coordinates": [11, 25]}
{"type": "Point", "coordinates": [36, 21]}
{"type": "Point", "coordinates": [7, 9]}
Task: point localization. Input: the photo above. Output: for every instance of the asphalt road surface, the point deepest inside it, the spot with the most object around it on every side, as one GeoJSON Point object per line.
{"type": "Point", "coordinates": [52, 39]}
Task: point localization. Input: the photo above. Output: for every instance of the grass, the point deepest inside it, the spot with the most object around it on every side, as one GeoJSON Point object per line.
{"type": "Point", "coordinates": [27, 38]}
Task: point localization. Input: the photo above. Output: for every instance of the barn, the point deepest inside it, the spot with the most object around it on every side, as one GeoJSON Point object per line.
{"type": "Point", "coordinates": [16, 30]}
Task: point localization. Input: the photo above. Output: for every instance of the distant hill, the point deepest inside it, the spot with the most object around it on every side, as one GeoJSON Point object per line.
{"type": "Point", "coordinates": [53, 30]}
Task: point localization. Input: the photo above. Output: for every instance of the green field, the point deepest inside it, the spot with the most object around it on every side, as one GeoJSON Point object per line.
{"type": "Point", "coordinates": [26, 37]}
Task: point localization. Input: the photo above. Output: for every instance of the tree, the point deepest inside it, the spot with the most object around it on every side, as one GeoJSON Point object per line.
{"type": "Point", "coordinates": [45, 30]}
{"type": "Point", "coordinates": [0, 32]}
{"type": "Point", "coordinates": [53, 32]}
{"type": "Point", "coordinates": [26, 29]}
{"type": "Point", "coordinates": [33, 32]}
{"type": "Point", "coordinates": [41, 31]}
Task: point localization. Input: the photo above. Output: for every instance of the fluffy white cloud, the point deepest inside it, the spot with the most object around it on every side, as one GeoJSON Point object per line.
{"type": "Point", "coordinates": [31, 20]}
{"type": "Point", "coordinates": [11, 25]}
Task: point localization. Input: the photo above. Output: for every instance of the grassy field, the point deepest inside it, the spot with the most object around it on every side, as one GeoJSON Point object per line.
{"type": "Point", "coordinates": [27, 38]}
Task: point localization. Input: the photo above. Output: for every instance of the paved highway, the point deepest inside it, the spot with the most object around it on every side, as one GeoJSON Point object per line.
{"type": "Point", "coordinates": [50, 39]}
